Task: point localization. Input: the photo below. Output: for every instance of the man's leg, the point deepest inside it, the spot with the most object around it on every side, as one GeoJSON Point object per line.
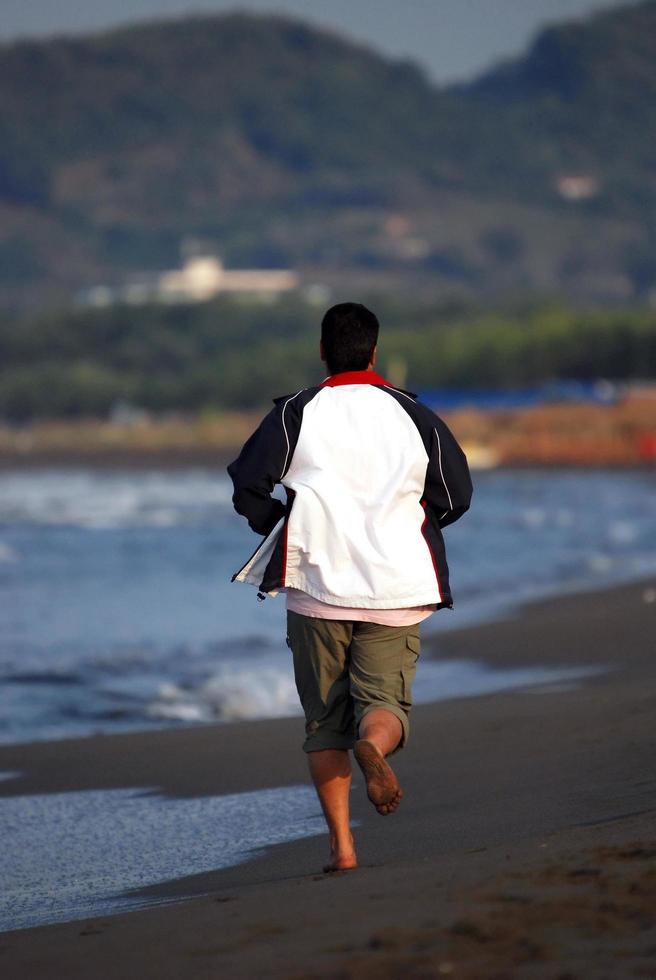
{"type": "Point", "coordinates": [380, 733]}
{"type": "Point", "coordinates": [331, 774]}
{"type": "Point", "coordinates": [383, 661]}
{"type": "Point", "coordinates": [320, 649]}
{"type": "Point", "coordinates": [382, 729]}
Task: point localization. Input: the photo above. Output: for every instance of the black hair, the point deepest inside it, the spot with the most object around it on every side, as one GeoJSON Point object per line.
{"type": "Point", "coordinates": [349, 333]}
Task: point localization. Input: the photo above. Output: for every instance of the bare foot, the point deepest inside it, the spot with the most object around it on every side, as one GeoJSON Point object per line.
{"type": "Point", "coordinates": [341, 863]}
{"type": "Point", "coordinates": [344, 860]}
{"type": "Point", "coordinates": [382, 785]}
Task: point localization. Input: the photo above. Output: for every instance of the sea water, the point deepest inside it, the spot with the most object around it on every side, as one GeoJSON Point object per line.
{"type": "Point", "coordinates": [87, 853]}
{"type": "Point", "coordinates": [117, 611]}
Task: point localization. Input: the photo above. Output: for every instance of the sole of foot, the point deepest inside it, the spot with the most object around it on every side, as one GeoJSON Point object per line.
{"type": "Point", "coordinates": [383, 787]}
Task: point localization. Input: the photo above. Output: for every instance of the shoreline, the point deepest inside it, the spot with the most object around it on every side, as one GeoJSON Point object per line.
{"type": "Point", "coordinates": [441, 642]}
{"type": "Point", "coordinates": [525, 843]}
{"type": "Point", "coordinates": [492, 639]}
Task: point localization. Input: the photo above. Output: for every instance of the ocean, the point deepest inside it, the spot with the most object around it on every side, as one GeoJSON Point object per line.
{"type": "Point", "coordinates": [117, 611]}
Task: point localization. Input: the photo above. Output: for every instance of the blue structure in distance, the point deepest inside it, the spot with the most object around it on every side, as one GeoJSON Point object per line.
{"type": "Point", "coordinates": [450, 399]}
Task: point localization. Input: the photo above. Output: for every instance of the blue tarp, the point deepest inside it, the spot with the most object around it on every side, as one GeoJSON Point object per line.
{"type": "Point", "coordinates": [600, 392]}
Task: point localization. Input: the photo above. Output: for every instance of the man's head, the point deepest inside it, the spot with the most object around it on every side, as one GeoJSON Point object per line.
{"type": "Point", "coordinates": [349, 333]}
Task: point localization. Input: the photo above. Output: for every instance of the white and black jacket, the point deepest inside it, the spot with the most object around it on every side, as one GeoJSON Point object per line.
{"type": "Point", "coordinates": [372, 476]}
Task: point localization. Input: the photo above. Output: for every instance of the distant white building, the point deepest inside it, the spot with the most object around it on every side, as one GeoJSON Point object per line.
{"type": "Point", "coordinates": [203, 276]}
{"type": "Point", "coordinates": [577, 187]}
{"type": "Point", "coordinates": [200, 278]}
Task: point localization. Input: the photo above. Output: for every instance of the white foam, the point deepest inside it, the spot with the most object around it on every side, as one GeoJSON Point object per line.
{"type": "Point", "coordinates": [622, 532]}
{"type": "Point", "coordinates": [599, 563]}
{"type": "Point", "coordinates": [263, 690]}
{"type": "Point", "coordinates": [98, 499]}
{"type": "Point", "coordinates": [532, 516]}
{"type": "Point", "coordinates": [7, 553]}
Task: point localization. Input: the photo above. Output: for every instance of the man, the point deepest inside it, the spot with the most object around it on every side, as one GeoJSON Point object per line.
{"type": "Point", "coordinates": [371, 477]}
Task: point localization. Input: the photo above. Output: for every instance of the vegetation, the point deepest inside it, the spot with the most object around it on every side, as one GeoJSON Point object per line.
{"type": "Point", "coordinates": [281, 144]}
{"type": "Point", "coordinates": [232, 355]}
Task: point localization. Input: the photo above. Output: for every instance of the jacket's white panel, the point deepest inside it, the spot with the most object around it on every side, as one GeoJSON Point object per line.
{"type": "Point", "coordinates": [355, 524]}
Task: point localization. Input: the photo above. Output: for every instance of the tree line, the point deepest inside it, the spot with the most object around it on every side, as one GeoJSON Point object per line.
{"type": "Point", "coordinates": [230, 354]}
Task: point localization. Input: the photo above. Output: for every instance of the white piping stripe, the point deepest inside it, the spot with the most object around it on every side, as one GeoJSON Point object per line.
{"type": "Point", "coordinates": [439, 457]}
{"type": "Point", "coordinates": [284, 428]}
{"type": "Point", "coordinates": [399, 392]}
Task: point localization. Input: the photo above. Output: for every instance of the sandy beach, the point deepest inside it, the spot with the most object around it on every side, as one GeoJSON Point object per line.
{"type": "Point", "coordinates": [525, 845]}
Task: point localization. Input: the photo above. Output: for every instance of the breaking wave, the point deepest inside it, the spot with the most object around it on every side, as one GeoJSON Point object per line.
{"type": "Point", "coordinates": [98, 499]}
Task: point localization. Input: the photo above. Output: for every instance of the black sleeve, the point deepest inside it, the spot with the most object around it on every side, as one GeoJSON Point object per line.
{"type": "Point", "coordinates": [448, 488]}
{"type": "Point", "coordinates": [264, 460]}
{"type": "Point", "coordinates": [257, 470]}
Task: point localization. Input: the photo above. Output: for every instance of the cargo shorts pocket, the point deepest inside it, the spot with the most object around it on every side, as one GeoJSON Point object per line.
{"type": "Point", "coordinates": [408, 670]}
{"type": "Point", "coordinates": [413, 644]}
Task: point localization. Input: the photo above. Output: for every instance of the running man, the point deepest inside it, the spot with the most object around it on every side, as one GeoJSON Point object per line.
{"type": "Point", "coordinates": [371, 477]}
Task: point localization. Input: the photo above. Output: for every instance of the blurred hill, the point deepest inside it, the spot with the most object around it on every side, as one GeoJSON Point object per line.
{"type": "Point", "coordinates": [280, 145]}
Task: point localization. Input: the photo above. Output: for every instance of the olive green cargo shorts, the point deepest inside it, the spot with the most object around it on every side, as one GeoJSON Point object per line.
{"type": "Point", "coordinates": [343, 669]}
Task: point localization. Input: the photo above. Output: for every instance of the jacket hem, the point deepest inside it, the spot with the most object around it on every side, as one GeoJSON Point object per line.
{"type": "Point", "coordinates": [431, 597]}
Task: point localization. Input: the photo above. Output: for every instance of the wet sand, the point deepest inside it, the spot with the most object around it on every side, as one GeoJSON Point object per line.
{"type": "Point", "coordinates": [525, 845]}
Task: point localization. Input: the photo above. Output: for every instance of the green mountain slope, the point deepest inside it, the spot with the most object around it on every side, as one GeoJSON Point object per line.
{"type": "Point", "coordinates": [278, 144]}
{"type": "Point", "coordinates": [584, 99]}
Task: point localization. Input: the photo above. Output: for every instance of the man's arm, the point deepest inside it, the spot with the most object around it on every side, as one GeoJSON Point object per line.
{"type": "Point", "coordinates": [256, 471]}
{"type": "Point", "coordinates": [263, 462]}
{"type": "Point", "coordinates": [448, 488]}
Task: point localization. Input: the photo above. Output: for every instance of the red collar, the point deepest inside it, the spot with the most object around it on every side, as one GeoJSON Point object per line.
{"type": "Point", "coordinates": [354, 378]}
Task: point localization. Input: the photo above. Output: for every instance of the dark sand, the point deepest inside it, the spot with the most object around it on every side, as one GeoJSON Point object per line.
{"type": "Point", "coordinates": [525, 845]}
